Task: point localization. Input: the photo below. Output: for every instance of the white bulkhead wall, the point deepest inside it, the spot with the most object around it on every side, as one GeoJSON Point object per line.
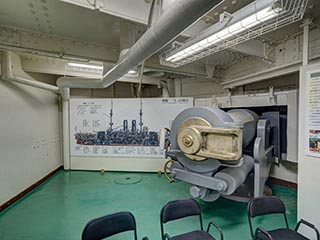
{"type": "Point", "coordinates": [30, 137]}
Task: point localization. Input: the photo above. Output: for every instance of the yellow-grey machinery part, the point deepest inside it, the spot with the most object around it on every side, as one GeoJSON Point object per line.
{"type": "Point", "coordinates": [199, 140]}
{"type": "Point", "coordinates": [207, 150]}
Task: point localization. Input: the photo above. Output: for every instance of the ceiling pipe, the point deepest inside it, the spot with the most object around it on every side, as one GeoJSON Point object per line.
{"type": "Point", "coordinates": [165, 89]}
{"type": "Point", "coordinates": [150, 18]}
{"type": "Point", "coordinates": [171, 24]}
{"type": "Point", "coordinates": [12, 72]}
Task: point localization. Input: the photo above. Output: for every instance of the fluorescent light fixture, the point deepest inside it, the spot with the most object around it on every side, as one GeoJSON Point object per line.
{"type": "Point", "coordinates": [245, 24]}
{"type": "Point", "coordinates": [82, 65]}
{"type": "Point", "coordinates": [133, 73]}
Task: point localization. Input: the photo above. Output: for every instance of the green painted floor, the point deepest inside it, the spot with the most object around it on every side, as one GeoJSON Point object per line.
{"type": "Point", "coordinates": [60, 208]}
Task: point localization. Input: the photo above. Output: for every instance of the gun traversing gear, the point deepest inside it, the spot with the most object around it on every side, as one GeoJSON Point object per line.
{"type": "Point", "coordinates": [206, 151]}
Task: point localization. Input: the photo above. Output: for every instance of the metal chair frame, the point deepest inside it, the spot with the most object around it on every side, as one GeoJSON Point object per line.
{"type": "Point", "coordinates": [165, 236]}
{"type": "Point", "coordinates": [259, 229]}
{"type": "Point", "coordinates": [107, 217]}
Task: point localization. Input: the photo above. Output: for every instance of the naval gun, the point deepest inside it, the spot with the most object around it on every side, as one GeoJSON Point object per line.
{"type": "Point", "coordinates": [222, 153]}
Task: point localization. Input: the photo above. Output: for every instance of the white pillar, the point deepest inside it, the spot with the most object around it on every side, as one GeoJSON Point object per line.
{"type": "Point", "coordinates": [305, 52]}
{"type": "Point", "coordinates": [177, 87]}
{"type": "Point", "coordinates": [65, 129]}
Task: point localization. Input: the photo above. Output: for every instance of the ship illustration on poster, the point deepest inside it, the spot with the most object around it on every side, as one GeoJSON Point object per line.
{"type": "Point", "coordinates": [124, 135]}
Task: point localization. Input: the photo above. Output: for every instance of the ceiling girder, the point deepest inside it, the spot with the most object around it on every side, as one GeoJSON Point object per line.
{"type": "Point", "coordinates": [70, 49]}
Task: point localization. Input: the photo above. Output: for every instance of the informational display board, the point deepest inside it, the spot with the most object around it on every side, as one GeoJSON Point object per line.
{"type": "Point", "coordinates": [313, 113]}
{"type": "Point", "coordinates": [121, 127]}
{"type": "Point", "coordinates": [308, 166]}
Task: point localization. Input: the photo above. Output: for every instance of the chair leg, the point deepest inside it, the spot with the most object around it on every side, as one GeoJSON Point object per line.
{"type": "Point", "coordinates": [217, 227]}
{"type": "Point", "coordinates": [306, 223]}
{"type": "Point", "coordinates": [264, 232]}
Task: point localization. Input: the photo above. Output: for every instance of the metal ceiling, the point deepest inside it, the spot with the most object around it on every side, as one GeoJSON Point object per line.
{"type": "Point", "coordinates": [54, 17]}
{"type": "Point", "coordinates": [70, 19]}
{"type": "Point", "coordinates": [60, 18]}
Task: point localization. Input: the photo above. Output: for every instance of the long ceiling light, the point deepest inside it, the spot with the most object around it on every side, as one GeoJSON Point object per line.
{"type": "Point", "coordinates": [91, 70]}
{"type": "Point", "coordinates": [83, 65]}
{"type": "Point", "coordinates": [228, 32]}
{"type": "Point", "coordinates": [249, 22]}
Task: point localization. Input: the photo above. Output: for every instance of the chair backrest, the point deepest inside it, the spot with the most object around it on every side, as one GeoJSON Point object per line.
{"type": "Point", "coordinates": [178, 209]}
{"type": "Point", "coordinates": [263, 206]}
{"type": "Point", "coordinates": [109, 225]}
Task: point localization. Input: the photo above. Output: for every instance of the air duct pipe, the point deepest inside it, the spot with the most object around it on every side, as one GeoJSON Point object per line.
{"type": "Point", "coordinates": [171, 23]}
{"type": "Point", "coordinates": [12, 72]}
{"type": "Point", "coordinates": [165, 89]}
{"type": "Point", "coordinates": [65, 135]}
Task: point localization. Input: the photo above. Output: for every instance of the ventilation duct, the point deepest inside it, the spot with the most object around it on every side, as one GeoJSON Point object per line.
{"type": "Point", "coordinates": [13, 72]}
{"type": "Point", "coordinates": [171, 23]}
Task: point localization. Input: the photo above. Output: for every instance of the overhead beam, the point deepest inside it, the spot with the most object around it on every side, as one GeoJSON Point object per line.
{"type": "Point", "coordinates": [40, 64]}
{"type": "Point", "coordinates": [136, 11]}
{"type": "Point", "coordinates": [56, 45]}
{"type": "Point", "coordinates": [254, 48]}
{"type": "Point", "coordinates": [70, 49]}
{"type": "Point", "coordinates": [288, 59]}
{"type": "Point", "coordinates": [192, 70]}
{"type": "Point", "coordinates": [267, 74]}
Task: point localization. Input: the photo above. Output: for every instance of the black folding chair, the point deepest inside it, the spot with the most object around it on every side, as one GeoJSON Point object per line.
{"type": "Point", "coordinates": [273, 205]}
{"type": "Point", "coordinates": [179, 209]}
{"type": "Point", "coordinates": [109, 225]}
